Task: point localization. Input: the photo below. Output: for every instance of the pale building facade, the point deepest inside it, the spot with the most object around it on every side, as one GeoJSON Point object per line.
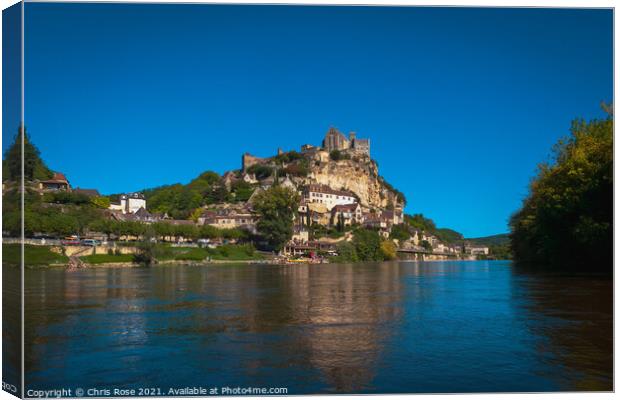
{"type": "Point", "coordinates": [323, 194]}
{"type": "Point", "coordinates": [129, 203]}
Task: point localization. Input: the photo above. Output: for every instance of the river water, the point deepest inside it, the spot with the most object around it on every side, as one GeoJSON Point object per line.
{"type": "Point", "coordinates": [398, 327]}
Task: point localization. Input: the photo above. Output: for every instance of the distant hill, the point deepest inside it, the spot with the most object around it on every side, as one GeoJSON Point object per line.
{"type": "Point", "coordinates": [501, 239]}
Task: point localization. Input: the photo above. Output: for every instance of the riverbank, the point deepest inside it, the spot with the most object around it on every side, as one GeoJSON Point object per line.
{"type": "Point", "coordinates": [37, 256]}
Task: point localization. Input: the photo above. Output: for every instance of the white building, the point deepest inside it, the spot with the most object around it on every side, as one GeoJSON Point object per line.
{"type": "Point", "coordinates": [129, 203]}
{"type": "Point", "coordinates": [478, 250]}
{"type": "Point", "coordinates": [323, 194]}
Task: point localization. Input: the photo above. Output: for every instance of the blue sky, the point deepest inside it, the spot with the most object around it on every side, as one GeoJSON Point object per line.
{"type": "Point", "coordinates": [460, 104]}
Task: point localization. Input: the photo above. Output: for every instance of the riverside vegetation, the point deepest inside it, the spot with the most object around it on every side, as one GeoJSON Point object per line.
{"type": "Point", "coordinates": [566, 220]}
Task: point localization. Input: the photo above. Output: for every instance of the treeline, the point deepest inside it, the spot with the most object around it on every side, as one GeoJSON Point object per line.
{"type": "Point", "coordinates": [567, 218]}
{"type": "Point", "coordinates": [162, 230]}
{"type": "Point", "coordinates": [62, 214]}
{"type": "Point", "coordinates": [180, 201]}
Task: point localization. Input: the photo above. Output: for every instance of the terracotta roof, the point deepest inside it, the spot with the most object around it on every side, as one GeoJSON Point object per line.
{"type": "Point", "coordinates": [345, 207]}
{"type": "Point", "coordinates": [57, 178]}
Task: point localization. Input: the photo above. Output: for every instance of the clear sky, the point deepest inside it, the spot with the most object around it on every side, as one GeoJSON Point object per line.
{"type": "Point", "coordinates": [460, 104]}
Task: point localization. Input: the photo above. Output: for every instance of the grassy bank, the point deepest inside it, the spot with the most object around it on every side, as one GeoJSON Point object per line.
{"type": "Point", "coordinates": [107, 258]}
{"type": "Point", "coordinates": [33, 255]}
{"type": "Point", "coordinates": [42, 255]}
{"type": "Point", "coordinates": [225, 252]}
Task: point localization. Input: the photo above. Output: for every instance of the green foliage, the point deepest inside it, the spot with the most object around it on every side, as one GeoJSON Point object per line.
{"type": "Point", "coordinates": [367, 245]}
{"type": "Point", "coordinates": [448, 235]}
{"type": "Point", "coordinates": [346, 253]}
{"type": "Point", "coordinates": [242, 190]}
{"type": "Point", "coordinates": [426, 245]}
{"type": "Point", "coordinates": [335, 155]}
{"type": "Point", "coordinates": [107, 258]}
{"type": "Point", "coordinates": [261, 171]}
{"type": "Point", "coordinates": [192, 254]}
{"type": "Point", "coordinates": [288, 157]}
{"type": "Point", "coordinates": [276, 208]}
{"type": "Point", "coordinates": [300, 168]}
{"type": "Point", "coordinates": [34, 167]}
{"type": "Point", "coordinates": [567, 218]}
{"type": "Point", "coordinates": [401, 232]}
{"type": "Point", "coordinates": [388, 250]}
{"type": "Point", "coordinates": [33, 255]}
{"type": "Point", "coordinates": [66, 198]}
{"type": "Point", "coordinates": [234, 252]}
{"type": "Point", "coordinates": [146, 249]}
{"type": "Point", "coordinates": [493, 240]}
{"type": "Point", "coordinates": [421, 223]}
{"type": "Point", "coordinates": [179, 201]}
{"type": "Point", "coordinates": [318, 231]}
{"type": "Point", "coordinates": [100, 202]}
{"type": "Point", "coordinates": [501, 251]}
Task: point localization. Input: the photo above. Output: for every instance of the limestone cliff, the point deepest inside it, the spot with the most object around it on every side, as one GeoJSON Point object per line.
{"type": "Point", "coordinates": [360, 176]}
{"type": "Point", "coordinates": [355, 172]}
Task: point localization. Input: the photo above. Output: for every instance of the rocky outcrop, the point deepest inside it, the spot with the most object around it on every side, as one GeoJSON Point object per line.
{"type": "Point", "coordinates": [361, 178]}
{"type": "Point", "coordinates": [355, 172]}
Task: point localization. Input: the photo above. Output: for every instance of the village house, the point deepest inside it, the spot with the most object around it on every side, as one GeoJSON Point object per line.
{"type": "Point", "coordinates": [378, 222]}
{"type": "Point", "coordinates": [129, 203]}
{"type": "Point", "coordinates": [323, 194]}
{"type": "Point", "coordinates": [349, 214]}
{"type": "Point", "coordinates": [393, 217]}
{"type": "Point", "coordinates": [480, 250]}
{"type": "Point", "coordinates": [58, 183]}
{"type": "Point", "coordinates": [229, 218]}
{"type": "Point", "coordinates": [308, 248]}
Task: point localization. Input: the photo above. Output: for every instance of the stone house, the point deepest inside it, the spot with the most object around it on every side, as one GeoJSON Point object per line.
{"type": "Point", "coordinates": [129, 203]}
{"type": "Point", "coordinates": [349, 214]}
{"type": "Point", "coordinates": [229, 219]}
{"type": "Point", "coordinates": [58, 182]}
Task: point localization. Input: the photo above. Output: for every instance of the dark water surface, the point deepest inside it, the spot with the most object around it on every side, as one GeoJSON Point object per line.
{"type": "Point", "coordinates": [384, 327]}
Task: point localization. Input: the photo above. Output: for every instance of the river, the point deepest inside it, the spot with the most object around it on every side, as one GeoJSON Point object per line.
{"type": "Point", "coordinates": [394, 327]}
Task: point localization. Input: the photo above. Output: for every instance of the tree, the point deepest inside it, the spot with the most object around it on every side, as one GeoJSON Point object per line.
{"type": "Point", "coordinates": [261, 171]}
{"type": "Point", "coordinates": [101, 202]}
{"type": "Point", "coordinates": [388, 249]}
{"type": "Point", "coordinates": [567, 218]}
{"type": "Point", "coordinates": [335, 155]}
{"type": "Point", "coordinates": [147, 249]}
{"type": "Point", "coordinates": [400, 232]}
{"type": "Point", "coordinates": [367, 244]}
{"type": "Point", "coordinates": [34, 167]}
{"type": "Point", "coordinates": [276, 208]}
{"type": "Point", "coordinates": [346, 253]}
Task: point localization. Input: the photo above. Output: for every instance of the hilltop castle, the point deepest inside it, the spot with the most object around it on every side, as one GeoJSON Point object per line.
{"type": "Point", "coordinates": [334, 140]}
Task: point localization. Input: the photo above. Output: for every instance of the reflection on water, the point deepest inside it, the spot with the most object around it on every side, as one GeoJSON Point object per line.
{"type": "Point", "coordinates": [386, 327]}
